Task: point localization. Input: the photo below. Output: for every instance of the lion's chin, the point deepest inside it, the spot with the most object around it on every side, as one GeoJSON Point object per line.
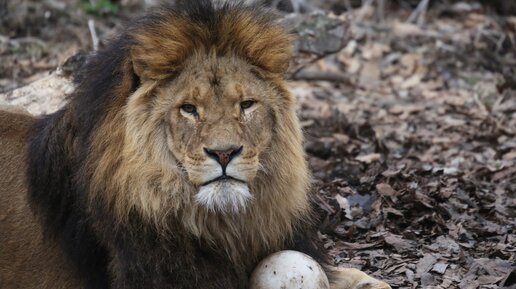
{"type": "Point", "coordinates": [224, 196]}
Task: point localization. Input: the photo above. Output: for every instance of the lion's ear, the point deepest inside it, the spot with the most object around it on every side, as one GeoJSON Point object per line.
{"type": "Point", "coordinates": [271, 49]}
{"type": "Point", "coordinates": [263, 42]}
{"type": "Point", "coordinates": [139, 66]}
{"type": "Point", "coordinates": [150, 65]}
{"type": "Point", "coordinates": [130, 78]}
{"type": "Point", "coordinates": [273, 58]}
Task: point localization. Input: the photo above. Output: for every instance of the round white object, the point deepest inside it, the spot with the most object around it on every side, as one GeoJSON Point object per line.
{"type": "Point", "coordinates": [289, 270]}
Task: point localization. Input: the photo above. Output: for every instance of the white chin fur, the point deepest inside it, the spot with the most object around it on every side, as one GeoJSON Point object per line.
{"type": "Point", "coordinates": [226, 196]}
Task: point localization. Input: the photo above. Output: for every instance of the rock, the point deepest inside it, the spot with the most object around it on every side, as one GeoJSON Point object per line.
{"type": "Point", "coordinates": [43, 96]}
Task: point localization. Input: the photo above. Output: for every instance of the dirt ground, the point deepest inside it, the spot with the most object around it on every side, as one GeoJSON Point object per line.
{"type": "Point", "coordinates": [410, 122]}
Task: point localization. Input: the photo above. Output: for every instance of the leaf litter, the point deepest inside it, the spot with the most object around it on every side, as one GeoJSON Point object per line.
{"type": "Point", "coordinates": [415, 151]}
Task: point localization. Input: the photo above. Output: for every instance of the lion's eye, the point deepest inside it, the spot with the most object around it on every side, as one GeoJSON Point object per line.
{"type": "Point", "coordinates": [247, 104]}
{"type": "Point", "coordinates": [189, 108]}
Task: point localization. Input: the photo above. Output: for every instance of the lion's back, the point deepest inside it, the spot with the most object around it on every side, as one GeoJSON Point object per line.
{"type": "Point", "coordinates": [25, 260]}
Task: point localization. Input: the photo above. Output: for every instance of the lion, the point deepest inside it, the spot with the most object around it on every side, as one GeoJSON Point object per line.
{"type": "Point", "coordinates": [178, 162]}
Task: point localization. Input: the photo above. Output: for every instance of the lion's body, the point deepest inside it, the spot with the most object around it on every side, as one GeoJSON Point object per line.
{"type": "Point", "coordinates": [26, 260]}
{"type": "Point", "coordinates": [177, 163]}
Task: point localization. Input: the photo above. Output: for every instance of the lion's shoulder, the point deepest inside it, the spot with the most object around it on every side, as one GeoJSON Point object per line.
{"type": "Point", "coordinates": [14, 123]}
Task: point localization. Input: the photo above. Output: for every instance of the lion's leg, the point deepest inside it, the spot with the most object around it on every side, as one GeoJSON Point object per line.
{"type": "Point", "coordinates": [351, 278]}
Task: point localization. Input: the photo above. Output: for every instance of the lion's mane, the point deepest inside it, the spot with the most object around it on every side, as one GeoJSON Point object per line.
{"type": "Point", "coordinates": [102, 183]}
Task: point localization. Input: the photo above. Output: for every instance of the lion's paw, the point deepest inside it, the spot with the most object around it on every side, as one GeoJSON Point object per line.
{"type": "Point", "coordinates": [371, 283]}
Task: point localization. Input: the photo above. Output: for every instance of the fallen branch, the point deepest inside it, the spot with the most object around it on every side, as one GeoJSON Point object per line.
{"type": "Point", "coordinates": [322, 76]}
{"type": "Point", "coordinates": [419, 13]}
{"type": "Point", "coordinates": [93, 32]}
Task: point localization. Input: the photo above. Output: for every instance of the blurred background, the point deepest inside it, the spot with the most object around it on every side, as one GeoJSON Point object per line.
{"type": "Point", "coordinates": [409, 112]}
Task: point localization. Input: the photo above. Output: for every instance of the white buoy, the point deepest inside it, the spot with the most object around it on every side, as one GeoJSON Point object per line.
{"type": "Point", "coordinates": [289, 270]}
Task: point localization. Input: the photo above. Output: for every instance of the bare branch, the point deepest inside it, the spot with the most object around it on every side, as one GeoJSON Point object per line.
{"type": "Point", "coordinates": [419, 13]}
{"type": "Point", "coordinates": [322, 76]}
{"type": "Point", "coordinates": [93, 32]}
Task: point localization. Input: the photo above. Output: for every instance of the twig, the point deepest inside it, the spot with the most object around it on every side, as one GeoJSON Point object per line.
{"type": "Point", "coordinates": [296, 6]}
{"type": "Point", "coordinates": [93, 32]}
{"type": "Point", "coordinates": [322, 76]}
{"type": "Point", "coordinates": [323, 204]}
{"type": "Point", "coordinates": [481, 105]}
{"type": "Point", "coordinates": [497, 38]}
{"type": "Point", "coordinates": [312, 61]}
{"type": "Point", "coordinates": [419, 13]}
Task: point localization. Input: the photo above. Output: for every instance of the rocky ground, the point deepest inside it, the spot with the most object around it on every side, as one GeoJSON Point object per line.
{"type": "Point", "coordinates": [410, 121]}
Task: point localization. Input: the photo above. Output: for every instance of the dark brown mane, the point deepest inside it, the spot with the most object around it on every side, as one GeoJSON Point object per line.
{"type": "Point", "coordinates": [244, 31]}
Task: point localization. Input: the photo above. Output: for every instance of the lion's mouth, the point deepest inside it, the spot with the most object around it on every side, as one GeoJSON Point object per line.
{"type": "Point", "coordinates": [224, 194]}
{"type": "Point", "coordinates": [222, 178]}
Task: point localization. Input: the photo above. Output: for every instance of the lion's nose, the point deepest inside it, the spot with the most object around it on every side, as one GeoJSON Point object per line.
{"type": "Point", "coordinates": [224, 156]}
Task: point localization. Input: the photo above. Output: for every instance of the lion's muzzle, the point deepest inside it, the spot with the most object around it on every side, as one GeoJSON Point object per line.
{"type": "Point", "coordinates": [223, 176]}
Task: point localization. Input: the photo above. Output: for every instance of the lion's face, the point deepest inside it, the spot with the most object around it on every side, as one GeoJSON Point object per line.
{"type": "Point", "coordinates": [220, 122]}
